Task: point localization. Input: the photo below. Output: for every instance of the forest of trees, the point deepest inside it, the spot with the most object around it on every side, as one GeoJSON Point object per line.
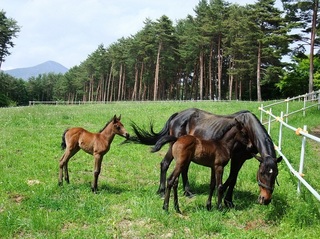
{"type": "Point", "coordinates": [222, 52]}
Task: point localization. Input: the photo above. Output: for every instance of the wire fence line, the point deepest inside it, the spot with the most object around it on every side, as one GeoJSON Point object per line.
{"type": "Point", "coordinates": [309, 100]}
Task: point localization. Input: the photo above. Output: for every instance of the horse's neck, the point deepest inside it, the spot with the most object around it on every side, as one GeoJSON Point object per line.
{"type": "Point", "coordinates": [108, 132]}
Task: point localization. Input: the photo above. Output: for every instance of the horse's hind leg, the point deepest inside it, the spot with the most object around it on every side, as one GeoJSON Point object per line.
{"type": "Point", "coordinates": [164, 165]}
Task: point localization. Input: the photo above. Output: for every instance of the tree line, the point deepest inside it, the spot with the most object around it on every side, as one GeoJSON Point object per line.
{"type": "Point", "coordinates": [222, 52]}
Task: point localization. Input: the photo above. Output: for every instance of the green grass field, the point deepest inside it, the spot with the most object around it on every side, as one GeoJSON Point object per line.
{"type": "Point", "coordinates": [32, 205]}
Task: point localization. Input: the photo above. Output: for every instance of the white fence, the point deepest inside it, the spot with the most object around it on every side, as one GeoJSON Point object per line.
{"type": "Point", "coordinates": [308, 101]}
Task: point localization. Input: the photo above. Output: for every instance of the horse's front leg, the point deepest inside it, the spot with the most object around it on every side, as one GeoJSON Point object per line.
{"type": "Point", "coordinates": [164, 165]}
{"type": "Point", "coordinates": [211, 189]}
{"type": "Point", "coordinates": [236, 164]}
{"type": "Point", "coordinates": [96, 173]}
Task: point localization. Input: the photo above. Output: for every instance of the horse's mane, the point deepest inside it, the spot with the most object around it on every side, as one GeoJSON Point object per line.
{"type": "Point", "coordinates": [257, 132]}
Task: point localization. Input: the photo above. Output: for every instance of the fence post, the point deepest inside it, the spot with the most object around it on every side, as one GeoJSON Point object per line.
{"type": "Point", "coordinates": [280, 131]}
{"type": "Point", "coordinates": [304, 105]}
{"type": "Point", "coordinates": [302, 158]}
{"type": "Point", "coordinates": [269, 123]}
{"type": "Point", "coordinates": [287, 113]}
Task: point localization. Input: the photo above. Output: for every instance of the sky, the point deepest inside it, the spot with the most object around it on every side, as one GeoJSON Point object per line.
{"type": "Point", "coordinates": [67, 31]}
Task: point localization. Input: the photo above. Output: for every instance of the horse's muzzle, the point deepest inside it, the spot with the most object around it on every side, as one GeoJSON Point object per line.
{"type": "Point", "coordinates": [127, 136]}
{"type": "Point", "coordinates": [263, 201]}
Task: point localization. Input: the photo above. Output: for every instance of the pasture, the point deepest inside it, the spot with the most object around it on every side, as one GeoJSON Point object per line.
{"type": "Point", "coordinates": [32, 205]}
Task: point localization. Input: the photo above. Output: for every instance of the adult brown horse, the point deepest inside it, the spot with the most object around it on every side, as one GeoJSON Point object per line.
{"type": "Point", "coordinates": [210, 153]}
{"type": "Point", "coordinates": [96, 144]}
{"type": "Point", "coordinates": [208, 126]}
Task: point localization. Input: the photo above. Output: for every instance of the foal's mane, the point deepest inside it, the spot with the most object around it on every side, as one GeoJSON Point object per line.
{"type": "Point", "coordinates": [106, 125]}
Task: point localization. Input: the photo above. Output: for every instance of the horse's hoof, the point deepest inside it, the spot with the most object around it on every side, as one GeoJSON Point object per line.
{"type": "Point", "coordinates": [189, 194]}
{"type": "Point", "coordinates": [209, 207]}
{"type": "Point", "coordinates": [60, 184]}
{"type": "Point", "coordinates": [219, 207]}
{"type": "Point", "coordinates": [161, 194]}
{"type": "Point", "coordinates": [229, 204]}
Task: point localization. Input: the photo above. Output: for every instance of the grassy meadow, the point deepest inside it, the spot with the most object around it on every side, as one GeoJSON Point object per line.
{"type": "Point", "coordinates": [32, 205]}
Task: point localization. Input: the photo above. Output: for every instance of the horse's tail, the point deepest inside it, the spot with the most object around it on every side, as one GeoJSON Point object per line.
{"type": "Point", "coordinates": [164, 140]}
{"type": "Point", "coordinates": [149, 137]}
{"type": "Point", "coordinates": [63, 143]}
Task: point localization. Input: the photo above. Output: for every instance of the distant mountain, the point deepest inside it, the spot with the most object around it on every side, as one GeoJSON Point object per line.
{"type": "Point", "coordinates": [44, 68]}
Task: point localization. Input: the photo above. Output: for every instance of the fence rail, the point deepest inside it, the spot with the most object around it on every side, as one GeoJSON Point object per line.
{"type": "Point", "coordinates": [313, 97]}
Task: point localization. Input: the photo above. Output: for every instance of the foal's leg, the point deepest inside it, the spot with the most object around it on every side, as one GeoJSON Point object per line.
{"type": "Point", "coordinates": [175, 195]}
{"type": "Point", "coordinates": [211, 190]}
{"type": "Point", "coordinates": [219, 175]}
{"type": "Point", "coordinates": [172, 182]}
{"type": "Point", "coordinates": [164, 165]}
{"type": "Point", "coordinates": [63, 164]}
{"type": "Point", "coordinates": [185, 182]}
{"type": "Point", "coordinates": [97, 169]}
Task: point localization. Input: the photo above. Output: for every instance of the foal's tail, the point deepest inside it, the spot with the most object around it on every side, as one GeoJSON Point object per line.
{"type": "Point", "coordinates": [63, 143]}
{"type": "Point", "coordinates": [164, 140]}
{"type": "Point", "coordinates": [149, 137]}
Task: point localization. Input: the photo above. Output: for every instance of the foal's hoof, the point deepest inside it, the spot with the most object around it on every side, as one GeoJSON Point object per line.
{"type": "Point", "coordinates": [60, 184]}
{"type": "Point", "coordinates": [229, 204]}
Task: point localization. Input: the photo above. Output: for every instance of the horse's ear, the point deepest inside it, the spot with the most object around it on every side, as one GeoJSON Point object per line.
{"type": "Point", "coordinates": [119, 117]}
{"type": "Point", "coordinates": [279, 159]}
{"type": "Point", "coordinates": [115, 118]}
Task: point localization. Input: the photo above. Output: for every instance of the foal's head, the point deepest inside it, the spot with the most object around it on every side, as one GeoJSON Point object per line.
{"type": "Point", "coordinates": [242, 135]}
{"type": "Point", "coordinates": [118, 128]}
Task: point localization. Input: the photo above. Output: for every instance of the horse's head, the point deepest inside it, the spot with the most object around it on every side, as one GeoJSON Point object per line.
{"type": "Point", "coordinates": [118, 127]}
{"type": "Point", "coordinates": [266, 177]}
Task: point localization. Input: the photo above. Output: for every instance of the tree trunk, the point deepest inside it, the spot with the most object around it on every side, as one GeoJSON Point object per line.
{"type": "Point", "coordinates": [210, 71]}
{"type": "Point", "coordinates": [109, 82]}
{"type": "Point", "coordinates": [136, 75]}
{"type": "Point", "coordinates": [259, 73]}
{"type": "Point", "coordinates": [201, 75]}
{"type": "Point", "coordinates": [120, 82]}
{"type": "Point", "coordinates": [141, 81]}
{"type": "Point", "coordinates": [313, 36]}
{"type": "Point", "coordinates": [156, 76]}
{"type": "Point", "coordinates": [219, 67]}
